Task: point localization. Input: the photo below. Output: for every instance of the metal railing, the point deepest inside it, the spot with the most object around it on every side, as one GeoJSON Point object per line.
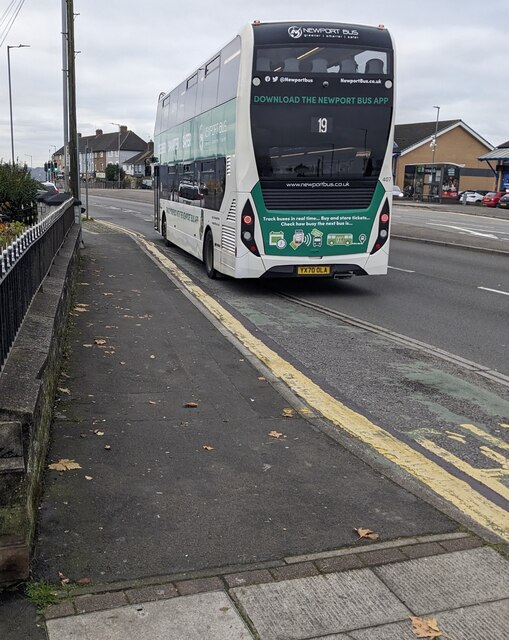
{"type": "Point", "coordinates": [23, 267]}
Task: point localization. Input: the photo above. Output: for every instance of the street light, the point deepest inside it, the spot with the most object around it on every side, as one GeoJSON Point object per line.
{"type": "Point", "coordinates": [119, 129]}
{"type": "Point", "coordinates": [434, 144]}
{"type": "Point", "coordinates": [9, 47]}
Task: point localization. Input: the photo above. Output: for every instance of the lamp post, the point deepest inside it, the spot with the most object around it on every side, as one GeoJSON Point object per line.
{"type": "Point", "coordinates": [435, 137]}
{"type": "Point", "coordinates": [119, 129]}
{"type": "Point", "coordinates": [9, 47]}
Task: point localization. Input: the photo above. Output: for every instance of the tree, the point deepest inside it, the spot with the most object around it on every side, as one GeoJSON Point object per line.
{"type": "Point", "coordinates": [112, 172]}
{"type": "Point", "coordinates": [17, 192]}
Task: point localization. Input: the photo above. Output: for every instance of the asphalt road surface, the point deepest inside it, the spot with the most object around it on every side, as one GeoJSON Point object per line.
{"type": "Point", "coordinates": [448, 297]}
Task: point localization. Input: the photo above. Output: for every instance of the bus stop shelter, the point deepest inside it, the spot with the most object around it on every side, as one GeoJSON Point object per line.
{"type": "Point", "coordinates": [498, 161]}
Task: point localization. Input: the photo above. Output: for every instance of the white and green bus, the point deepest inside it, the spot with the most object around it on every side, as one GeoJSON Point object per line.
{"type": "Point", "coordinates": [274, 157]}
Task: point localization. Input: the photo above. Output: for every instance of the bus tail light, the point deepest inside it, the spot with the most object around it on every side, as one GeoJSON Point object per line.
{"type": "Point", "coordinates": [247, 229]}
{"type": "Point", "coordinates": [383, 228]}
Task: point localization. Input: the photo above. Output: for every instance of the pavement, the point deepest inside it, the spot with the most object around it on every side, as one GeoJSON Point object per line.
{"type": "Point", "coordinates": [203, 503]}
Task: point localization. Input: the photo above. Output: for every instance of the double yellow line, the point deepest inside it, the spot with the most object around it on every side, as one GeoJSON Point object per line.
{"type": "Point", "coordinates": [457, 492]}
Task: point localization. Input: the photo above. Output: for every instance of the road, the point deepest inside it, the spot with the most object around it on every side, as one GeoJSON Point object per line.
{"type": "Point", "coordinates": [454, 224]}
{"type": "Point", "coordinates": [439, 295]}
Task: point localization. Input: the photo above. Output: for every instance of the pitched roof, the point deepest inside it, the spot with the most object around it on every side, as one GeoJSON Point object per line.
{"type": "Point", "coordinates": [140, 158]}
{"type": "Point", "coordinates": [109, 142]}
{"type": "Point", "coordinates": [407, 135]}
{"type": "Point", "coordinates": [411, 136]}
{"type": "Point", "coordinates": [504, 145]}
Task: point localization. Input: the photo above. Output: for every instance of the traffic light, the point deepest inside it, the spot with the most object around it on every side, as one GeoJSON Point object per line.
{"type": "Point", "coordinates": [46, 167]}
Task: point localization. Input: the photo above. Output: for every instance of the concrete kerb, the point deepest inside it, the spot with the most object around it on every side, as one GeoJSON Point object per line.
{"type": "Point", "coordinates": [27, 391]}
{"type": "Point", "coordinates": [85, 599]}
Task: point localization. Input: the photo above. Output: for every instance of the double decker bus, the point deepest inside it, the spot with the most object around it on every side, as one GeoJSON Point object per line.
{"type": "Point", "coordinates": [274, 157]}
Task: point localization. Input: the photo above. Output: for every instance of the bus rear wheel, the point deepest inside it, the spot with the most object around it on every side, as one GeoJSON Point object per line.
{"type": "Point", "coordinates": [164, 231]}
{"type": "Point", "coordinates": [208, 255]}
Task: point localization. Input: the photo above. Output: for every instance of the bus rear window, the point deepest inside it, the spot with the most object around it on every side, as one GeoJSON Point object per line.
{"type": "Point", "coordinates": [328, 59]}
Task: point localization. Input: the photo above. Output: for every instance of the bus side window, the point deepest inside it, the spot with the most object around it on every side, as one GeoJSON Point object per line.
{"type": "Point", "coordinates": [229, 73]}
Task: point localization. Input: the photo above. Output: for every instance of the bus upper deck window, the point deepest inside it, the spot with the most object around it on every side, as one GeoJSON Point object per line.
{"type": "Point", "coordinates": [375, 65]}
{"type": "Point", "coordinates": [263, 64]}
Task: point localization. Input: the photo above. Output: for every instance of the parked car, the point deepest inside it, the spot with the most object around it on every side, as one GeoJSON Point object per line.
{"type": "Point", "coordinates": [471, 196]}
{"type": "Point", "coordinates": [503, 203]}
{"type": "Point", "coordinates": [492, 198]}
{"type": "Point", "coordinates": [397, 193]}
{"type": "Point", "coordinates": [46, 190]}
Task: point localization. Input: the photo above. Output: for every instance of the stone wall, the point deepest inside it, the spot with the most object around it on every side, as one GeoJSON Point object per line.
{"type": "Point", "coordinates": [27, 391]}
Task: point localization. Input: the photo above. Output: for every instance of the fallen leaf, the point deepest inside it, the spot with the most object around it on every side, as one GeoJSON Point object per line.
{"type": "Point", "coordinates": [63, 579]}
{"type": "Point", "coordinates": [275, 434]}
{"type": "Point", "coordinates": [88, 345]}
{"type": "Point", "coordinates": [84, 581]}
{"type": "Point", "coordinates": [98, 433]}
{"type": "Point", "coordinates": [122, 363]}
{"type": "Point", "coordinates": [288, 412]}
{"type": "Point", "coordinates": [107, 447]}
{"type": "Point", "coordinates": [152, 357]}
{"type": "Point", "coordinates": [88, 478]}
{"type": "Point", "coordinates": [99, 341]}
{"type": "Point", "coordinates": [191, 405]}
{"type": "Point", "coordinates": [152, 402]}
{"type": "Point", "coordinates": [80, 310]}
{"type": "Point", "coordinates": [425, 628]}
{"type": "Point", "coordinates": [64, 464]}
{"type": "Point", "coordinates": [105, 294]}
{"type": "Point", "coordinates": [207, 447]}
{"type": "Point", "coordinates": [64, 390]}
{"type": "Point", "coordinates": [261, 378]}
{"type": "Point", "coordinates": [367, 533]}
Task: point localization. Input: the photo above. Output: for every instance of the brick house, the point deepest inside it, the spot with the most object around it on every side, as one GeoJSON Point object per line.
{"type": "Point", "coordinates": [101, 149]}
{"type": "Point", "coordinates": [455, 165]}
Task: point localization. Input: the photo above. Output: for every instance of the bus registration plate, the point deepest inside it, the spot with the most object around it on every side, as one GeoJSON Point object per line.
{"type": "Point", "coordinates": [313, 271]}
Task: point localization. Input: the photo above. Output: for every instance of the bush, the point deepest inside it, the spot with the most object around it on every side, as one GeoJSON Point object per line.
{"type": "Point", "coordinates": [9, 231]}
{"type": "Point", "coordinates": [17, 192]}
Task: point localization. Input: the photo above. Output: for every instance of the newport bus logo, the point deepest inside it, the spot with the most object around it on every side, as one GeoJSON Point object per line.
{"type": "Point", "coordinates": [322, 32]}
{"type": "Point", "coordinates": [295, 32]}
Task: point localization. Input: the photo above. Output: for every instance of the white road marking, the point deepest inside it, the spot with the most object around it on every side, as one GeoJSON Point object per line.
{"type": "Point", "coordinates": [405, 270]}
{"type": "Point", "coordinates": [504, 293]}
{"type": "Point", "coordinates": [474, 233]}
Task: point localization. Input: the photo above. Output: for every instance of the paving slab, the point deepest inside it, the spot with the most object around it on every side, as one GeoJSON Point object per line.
{"type": "Point", "coordinates": [481, 622]}
{"type": "Point", "coordinates": [448, 581]}
{"type": "Point", "coordinates": [205, 615]}
{"type": "Point", "coordinates": [319, 605]}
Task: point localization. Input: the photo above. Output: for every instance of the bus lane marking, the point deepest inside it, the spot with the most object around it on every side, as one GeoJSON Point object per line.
{"type": "Point", "coordinates": [462, 229]}
{"type": "Point", "coordinates": [456, 491]}
{"type": "Point", "coordinates": [504, 293]}
{"type": "Point", "coordinates": [399, 269]}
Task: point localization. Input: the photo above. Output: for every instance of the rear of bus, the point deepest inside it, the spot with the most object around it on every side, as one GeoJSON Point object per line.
{"type": "Point", "coordinates": [318, 141]}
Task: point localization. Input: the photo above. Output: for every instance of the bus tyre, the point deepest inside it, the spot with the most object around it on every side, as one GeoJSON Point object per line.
{"type": "Point", "coordinates": [208, 255]}
{"type": "Point", "coordinates": [163, 231]}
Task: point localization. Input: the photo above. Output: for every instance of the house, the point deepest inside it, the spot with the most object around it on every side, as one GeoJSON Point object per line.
{"type": "Point", "coordinates": [439, 168]}
{"type": "Point", "coordinates": [139, 166]}
{"type": "Point", "coordinates": [96, 152]}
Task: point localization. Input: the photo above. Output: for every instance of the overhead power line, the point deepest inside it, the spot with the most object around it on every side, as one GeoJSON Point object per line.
{"type": "Point", "coordinates": [8, 18]}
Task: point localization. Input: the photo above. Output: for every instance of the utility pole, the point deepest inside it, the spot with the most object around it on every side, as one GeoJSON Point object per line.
{"type": "Point", "coordinates": [74, 181]}
{"type": "Point", "coordinates": [64, 95]}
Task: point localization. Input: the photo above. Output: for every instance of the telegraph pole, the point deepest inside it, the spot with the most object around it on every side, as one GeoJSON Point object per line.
{"type": "Point", "coordinates": [64, 95]}
{"type": "Point", "coordinates": [74, 179]}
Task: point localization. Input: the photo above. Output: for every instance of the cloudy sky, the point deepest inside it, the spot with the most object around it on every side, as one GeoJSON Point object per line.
{"type": "Point", "coordinates": [452, 54]}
